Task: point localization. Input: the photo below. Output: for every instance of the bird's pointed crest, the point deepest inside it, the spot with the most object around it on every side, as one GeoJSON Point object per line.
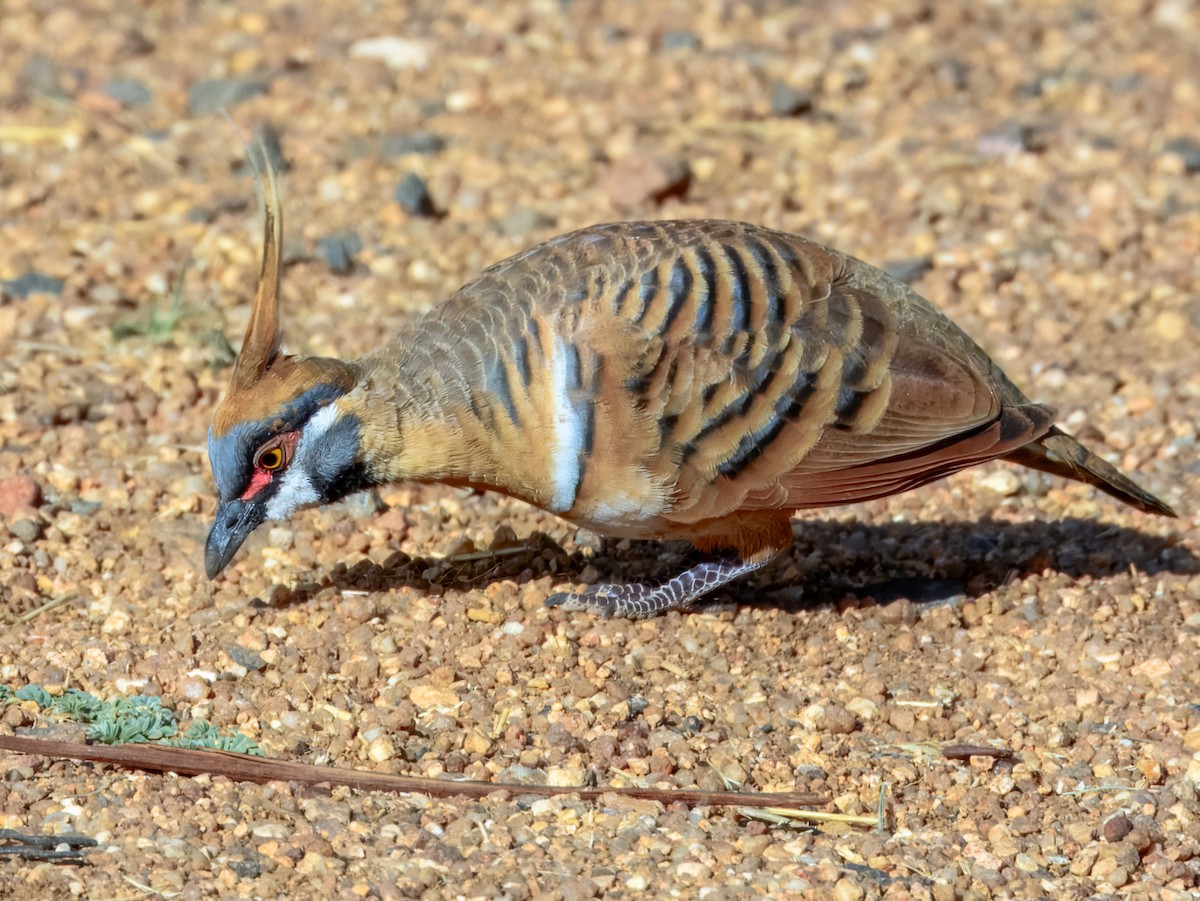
{"type": "Point", "coordinates": [264, 379]}
{"type": "Point", "coordinates": [263, 333]}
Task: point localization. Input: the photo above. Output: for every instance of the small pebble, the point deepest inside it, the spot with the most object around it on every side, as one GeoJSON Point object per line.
{"type": "Point", "coordinates": [247, 658]}
{"type": "Point", "coordinates": [365, 503]}
{"type": "Point", "coordinates": [1116, 827]}
{"type": "Point", "coordinates": [1189, 149]}
{"type": "Point", "coordinates": [679, 40]}
{"type": "Point", "coordinates": [215, 94]}
{"type": "Point", "coordinates": [423, 143]}
{"type": "Point", "coordinates": [413, 196]}
{"type": "Point", "coordinates": [395, 52]}
{"type": "Point", "coordinates": [27, 530]}
{"type": "Point", "coordinates": [1004, 482]}
{"type": "Point", "coordinates": [19, 493]}
{"type": "Point", "coordinates": [426, 696]}
{"type": "Point", "coordinates": [839, 721]}
{"type": "Point", "coordinates": [566, 776]}
{"type": "Point", "coordinates": [1006, 138]}
{"type": "Point", "coordinates": [503, 538]}
{"type": "Point", "coordinates": [128, 92]}
{"type": "Point", "coordinates": [247, 868]}
{"type": "Point", "coordinates": [381, 749]}
{"type": "Point", "coordinates": [338, 251]}
{"type": "Point", "coordinates": [693, 871]}
{"type": "Point", "coordinates": [790, 101]}
{"type": "Point", "coordinates": [1170, 325]}
{"type": "Point", "coordinates": [30, 283]}
{"type": "Point", "coordinates": [281, 537]}
{"type": "Point", "coordinates": [909, 270]}
{"type": "Point", "coordinates": [864, 708]}
{"type": "Point", "coordinates": [1026, 864]}
{"type": "Point", "coordinates": [40, 75]}
{"type": "Point", "coordinates": [645, 177]}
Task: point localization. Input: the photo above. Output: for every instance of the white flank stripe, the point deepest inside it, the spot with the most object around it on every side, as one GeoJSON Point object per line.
{"type": "Point", "coordinates": [568, 433]}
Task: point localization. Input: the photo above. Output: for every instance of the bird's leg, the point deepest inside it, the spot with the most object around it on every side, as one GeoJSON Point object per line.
{"type": "Point", "coordinates": [755, 542]}
{"type": "Point", "coordinates": [638, 600]}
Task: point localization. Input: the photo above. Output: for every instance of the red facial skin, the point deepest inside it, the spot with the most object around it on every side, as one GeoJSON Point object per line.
{"type": "Point", "coordinates": [262, 477]}
{"type": "Point", "coordinates": [260, 480]}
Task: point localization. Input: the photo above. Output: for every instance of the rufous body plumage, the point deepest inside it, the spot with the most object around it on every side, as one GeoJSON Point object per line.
{"type": "Point", "coordinates": [696, 380]}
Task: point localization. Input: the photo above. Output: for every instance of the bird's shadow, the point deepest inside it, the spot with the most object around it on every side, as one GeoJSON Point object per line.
{"type": "Point", "coordinates": [829, 562]}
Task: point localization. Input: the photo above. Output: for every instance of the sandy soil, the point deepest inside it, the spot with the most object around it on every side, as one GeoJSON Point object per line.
{"type": "Point", "coordinates": [1034, 167]}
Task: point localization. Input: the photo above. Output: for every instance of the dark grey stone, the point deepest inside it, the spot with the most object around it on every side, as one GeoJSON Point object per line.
{"type": "Point", "coordinates": [215, 94]}
{"type": "Point", "coordinates": [40, 76]}
{"type": "Point", "coordinates": [413, 196]}
{"type": "Point", "coordinates": [27, 530]}
{"type": "Point", "coordinates": [910, 270]}
{"type": "Point", "coordinates": [422, 143]}
{"type": "Point", "coordinates": [338, 250]}
{"type": "Point", "coordinates": [1188, 149]}
{"type": "Point", "coordinates": [789, 101]}
{"type": "Point", "coordinates": [251, 660]}
{"type": "Point", "coordinates": [129, 92]}
{"type": "Point", "coordinates": [679, 40]}
{"type": "Point", "coordinates": [31, 283]}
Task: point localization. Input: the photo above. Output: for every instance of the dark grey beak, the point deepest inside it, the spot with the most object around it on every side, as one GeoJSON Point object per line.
{"type": "Point", "coordinates": [234, 522]}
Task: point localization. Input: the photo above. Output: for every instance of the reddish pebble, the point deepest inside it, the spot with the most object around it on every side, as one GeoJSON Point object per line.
{"type": "Point", "coordinates": [1117, 827]}
{"type": "Point", "coordinates": [19, 493]}
{"type": "Point", "coordinates": [646, 177]}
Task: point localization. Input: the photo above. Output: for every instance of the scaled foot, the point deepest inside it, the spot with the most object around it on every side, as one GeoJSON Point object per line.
{"type": "Point", "coordinates": [638, 600]}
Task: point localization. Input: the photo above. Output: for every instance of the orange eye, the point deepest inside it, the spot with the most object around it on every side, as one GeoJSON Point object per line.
{"type": "Point", "coordinates": [271, 459]}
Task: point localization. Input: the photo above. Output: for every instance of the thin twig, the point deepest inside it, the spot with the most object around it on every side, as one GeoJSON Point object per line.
{"type": "Point", "coordinates": [243, 768]}
{"type": "Point", "coordinates": [816, 816]}
{"type": "Point", "coordinates": [49, 605]}
{"type": "Point", "coordinates": [1097, 788]}
{"type": "Point", "coordinates": [481, 555]}
{"type": "Point", "coordinates": [149, 889]}
{"type": "Point", "coordinates": [68, 848]}
{"type": "Point", "coordinates": [49, 347]}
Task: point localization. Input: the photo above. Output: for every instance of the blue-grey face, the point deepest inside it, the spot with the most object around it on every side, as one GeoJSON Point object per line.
{"type": "Point", "coordinates": [307, 455]}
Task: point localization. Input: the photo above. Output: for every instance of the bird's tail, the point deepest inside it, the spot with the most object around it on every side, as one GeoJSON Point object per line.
{"type": "Point", "coordinates": [1058, 453]}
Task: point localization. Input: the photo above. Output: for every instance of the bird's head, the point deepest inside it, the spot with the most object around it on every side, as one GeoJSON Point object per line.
{"type": "Point", "coordinates": [280, 440]}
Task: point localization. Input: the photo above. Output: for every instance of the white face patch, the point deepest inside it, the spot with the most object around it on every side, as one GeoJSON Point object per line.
{"type": "Point", "coordinates": [295, 486]}
{"type": "Point", "coordinates": [569, 428]}
{"type": "Point", "coordinates": [295, 491]}
{"type": "Point", "coordinates": [319, 424]}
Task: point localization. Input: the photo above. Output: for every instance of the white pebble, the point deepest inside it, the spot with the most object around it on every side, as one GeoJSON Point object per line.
{"type": "Point", "coordinates": [395, 52]}
{"type": "Point", "coordinates": [282, 538]}
{"type": "Point", "coordinates": [1004, 482]}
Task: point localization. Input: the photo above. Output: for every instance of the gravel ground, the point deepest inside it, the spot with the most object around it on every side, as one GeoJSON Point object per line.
{"type": "Point", "coordinates": [1033, 167]}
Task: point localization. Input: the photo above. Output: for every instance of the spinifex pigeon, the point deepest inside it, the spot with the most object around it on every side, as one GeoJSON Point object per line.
{"type": "Point", "coordinates": [694, 380]}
